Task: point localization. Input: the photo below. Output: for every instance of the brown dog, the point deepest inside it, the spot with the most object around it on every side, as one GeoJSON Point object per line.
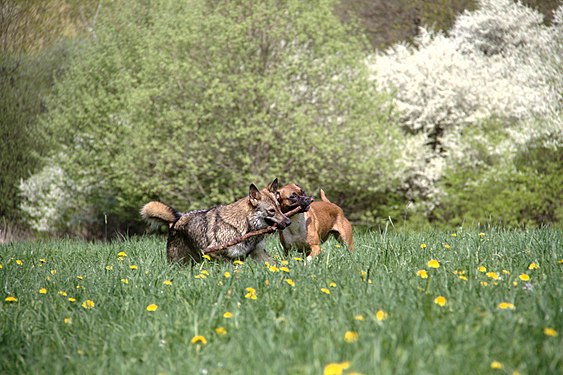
{"type": "Point", "coordinates": [309, 229]}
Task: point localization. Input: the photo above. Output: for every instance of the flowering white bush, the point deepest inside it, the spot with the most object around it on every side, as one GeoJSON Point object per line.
{"type": "Point", "coordinates": [498, 62]}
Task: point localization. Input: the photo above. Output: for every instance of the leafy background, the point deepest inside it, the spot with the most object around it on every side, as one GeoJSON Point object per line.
{"type": "Point", "coordinates": [443, 114]}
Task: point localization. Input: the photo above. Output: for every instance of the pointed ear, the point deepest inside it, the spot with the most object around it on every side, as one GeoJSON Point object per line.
{"type": "Point", "coordinates": [254, 194]}
{"type": "Point", "coordinates": [273, 187]}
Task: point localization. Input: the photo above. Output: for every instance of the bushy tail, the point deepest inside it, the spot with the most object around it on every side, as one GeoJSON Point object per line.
{"type": "Point", "coordinates": [157, 213]}
{"type": "Point", "coordinates": [323, 196]}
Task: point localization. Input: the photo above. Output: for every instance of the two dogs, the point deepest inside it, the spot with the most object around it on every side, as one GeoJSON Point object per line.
{"type": "Point", "coordinates": [191, 232]}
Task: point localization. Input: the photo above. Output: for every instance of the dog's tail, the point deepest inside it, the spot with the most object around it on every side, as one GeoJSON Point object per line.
{"type": "Point", "coordinates": [323, 196]}
{"type": "Point", "coordinates": [157, 213]}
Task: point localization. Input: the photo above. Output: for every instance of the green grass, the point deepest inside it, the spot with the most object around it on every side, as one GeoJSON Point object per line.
{"type": "Point", "coordinates": [287, 330]}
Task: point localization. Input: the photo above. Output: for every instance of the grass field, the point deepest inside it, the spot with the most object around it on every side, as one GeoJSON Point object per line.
{"type": "Point", "coordinates": [84, 308]}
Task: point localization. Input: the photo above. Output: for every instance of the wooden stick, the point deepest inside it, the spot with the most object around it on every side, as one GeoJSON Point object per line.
{"type": "Point", "coordinates": [270, 229]}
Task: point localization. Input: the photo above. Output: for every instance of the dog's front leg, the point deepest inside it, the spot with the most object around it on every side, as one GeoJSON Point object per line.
{"type": "Point", "coordinates": [259, 254]}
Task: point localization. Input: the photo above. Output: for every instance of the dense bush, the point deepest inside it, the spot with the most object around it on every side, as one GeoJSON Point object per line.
{"type": "Point", "coordinates": [189, 103]}
{"type": "Point", "coordinates": [476, 100]}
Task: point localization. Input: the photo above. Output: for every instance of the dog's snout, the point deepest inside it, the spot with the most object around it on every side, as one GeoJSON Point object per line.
{"type": "Point", "coordinates": [284, 223]}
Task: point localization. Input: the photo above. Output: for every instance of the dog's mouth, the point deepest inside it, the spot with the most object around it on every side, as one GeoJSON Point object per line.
{"type": "Point", "coordinates": [281, 224]}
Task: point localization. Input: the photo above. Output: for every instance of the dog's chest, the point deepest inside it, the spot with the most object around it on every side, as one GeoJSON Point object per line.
{"type": "Point", "coordinates": [296, 233]}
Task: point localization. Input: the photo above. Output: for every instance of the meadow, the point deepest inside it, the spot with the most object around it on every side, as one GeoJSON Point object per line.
{"type": "Point", "coordinates": [432, 302]}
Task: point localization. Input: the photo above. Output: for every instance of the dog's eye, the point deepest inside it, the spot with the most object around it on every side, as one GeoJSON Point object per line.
{"type": "Point", "coordinates": [271, 212]}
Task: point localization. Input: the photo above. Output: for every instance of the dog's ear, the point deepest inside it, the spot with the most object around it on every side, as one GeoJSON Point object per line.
{"type": "Point", "coordinates": [273, 187]}
{"type": "Point", "coordinates": [254, 195]}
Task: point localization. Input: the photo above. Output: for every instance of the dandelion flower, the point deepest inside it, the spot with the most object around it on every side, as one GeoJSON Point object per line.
{"type": "Point", "coordinates": [325, 290]}
{"type": "Point", "coordinates": [484, 283]}
{"type": "Point", "coordinates": [42, 260]}
{"type": "Point", "coordinates": [221, 331]}
{"type": "Point", "coordinates": [440, 301]}
{"type": "Point", "coordinates": [67, 320]}
{"type": "Point", "coordinates": [422, 274]}
{"type": "Point", "coordinates": [359, 317]}
{"type": "Point", "coordinates": [251, 293]}
{"type": "Point", "coordinates": [284, 269]}
{"type": "Point", "coordinates": [62, 293]}
{"type": "Point", "coordinates": [121, 254]}
{"type": "Point", "coordinates": [167, 282]}
{"type": "Point", "coordinates": [550, 332]}
{"type": "Point", "coordinates": [505, 306]}
{"type": "Point", "coordinates": [206, 257]}
{"type": "Point", "coordinates": [71, 299]}
{"type": "Point", "coordinates": [10, 299]}
{"type": "Point", "coordinates": [200, 276]}
{"type": "Point", "coordinates": [80, 277]}
{"type": "Point", "coordinates": [125, 281]}
{"type": "Point", "coordinates": [533, 266]}
{"type": "Point", "coordinates": [482, 269]}
{"type": "Point", "coordinates": [332, 284]}
{"type": "Point", "coordinates": [482, 235]}
{"type": "Point", "coordinates": [297, 259]}
{"type": "Point", "coordinates": [19, 262]}
{"type": "Point", "coordinates": [0, 266]}
{"type": "Point", "coordinates": [336, 368]}
{"type": "Point", "coordinates": [205, 272]}
{"type": "Point", "coordinates": [152, 307]}
{"type": "Point", "coordinates": [381, 315]}
{"type": "Point", "coordinates": [433, 263]}
{"type": "Point", "coordinates": [454, 234]}
{"type": "Point", "coordinates": [496, 365]}
{"type": "Point", "coordinates": [238, 262]}
{"type": "Point", "coordinates": [423, 246]}
{"type": "Point", "coordinates": [227, 274]}
{"type": "Point", "coordinates": [505, 272]}
{"type": "Point", "coordinates": [284, 262]}
{"type": "Point", "coordinates": [462, 277]}
{"type": "Point", "coordinates": [274, 269]}
{"type": "Point", "coordinates": [290, 282]}
{"type": "Point", "coordinates": [447, 247]}
{"type": "Point", "coordinates": [524, 277]}
{"type": "Point", "coordinates": [88, 304]}
{"type": "Point", "coordinates": [109, 268]}
{"type": "Point", "coordinates": [492, 275]}
{"type": "Point", "coordinates": [133, 267]}
{"type": "Point", "coordinates": [351, 336]}
{"type": "Point", "coordinates": [199, 340]}
{"type": "Point", "coordinates": [228, 315]}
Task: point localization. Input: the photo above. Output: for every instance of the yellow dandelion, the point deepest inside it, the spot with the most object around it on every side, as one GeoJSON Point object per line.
{"type": "Point", "coordinates": [43, 291]}
{"type": "Point", "coordinates": [533, 266]}
{"type": "Point", "coordinates": [125, 281]}
{"type": "Point", "coordinates": [251, 293]}
{"type": "Point", "coordinates": [71, 299]}
{"type": "Point", "coordinates": [88, 304]}
{"type": "Point", "coordinates": [152, 307]}
{"type": "Point", "coordinates": [200, 276]}
{"type": "Point", "coordinates": [228, 315]}
{"type": "Point", "coordinates": [482, 235]}
{"type": "Point", "coordinates": [492, 275]}
{"type": "Point", "coordinates": [238, 262]}
{"type": "Point", "coordinates": [422, 274]}
{"type": "Point", "coordinates": [447, 246]}
{"type": "Point", "coordinates": [267, 282]}
{"type": "Point", "coordinates": [484, 283]}
{"type": "Point", "coordinates": [221, 331]}
{"type": "Point", "coordinates": [337, 246]}
{"type": "Point", "coordinates": [433, 263]}
{"type": "Point", "coordinates": [462, 277]}
{"type": "Point", "coordinates": [514, 283]}
{"type": "Point", "coordinates": [524, 277]}
{"type": "Point", "coordinates": [381, 315]}
{"type": "Point", "coordinates": [205, 272]}
{"type": "Point", "coordinates": [454, 234]}
{"type": "Point", "coordinates": [560, 261]}
{"type": "Point", "coordinates": [423, 246]}
{"type": "Point", "coordinates": [109, 268]}
{"type": "Point", "coordinates": [199, 340]}
{"type": "Point", "coordinates": [332, 284]}
{"type": "Point", "coordinates": [359, 317]}
{"type": "Point", "coordinates": [206, 257]}
{"type": "Point", "coordinates": [290, 282]}
{"type": "Point", "coordinates": [505, 272]}
{"type": "Point", "coordinates": [133, 267]}
{"type": "Point", "coordinates": [284, 269]}
{"type": "Point", "coordinates": [506, 306]}
{"type": "Point", "coordinates": [351, 336]}
{"type": "Point", "coordinates": [42, 260]}
{"type": "Point", "coordinates": [336, 368]}
{"type": "Point", "coordinates": [227, 274]}
{"type": "Point", "coordinates": [284, 262]}
{"type": "Point", "coordinates": [440, 301]}
{"type": "Point", "coordinates": [274, 269]}
{"type": "Point", "coordinates": [67, 320]}
{"type": "Point", "coordinates": [496, 365]}
{"type": "Point", "coordinates": [10, 299]}
{"type": "Point", "coordinates": [19, 262]}
{"type": "Point", "coordinates": [550, 332]}
{"type": "Point", "coordinates": [297, 259]}
{"type": "Point", "coordinates": [0, 266]}
{"type": "Point", "coordinates": [325, 290]}
{"type": "Point", "coordinates": [121, 254]}
{"type": "Point", "coordinates": [62, 293]}
{"type": "Point", "coordinates": [80, 277]}
{"type": "Point", "coordinates": [482, 269]}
